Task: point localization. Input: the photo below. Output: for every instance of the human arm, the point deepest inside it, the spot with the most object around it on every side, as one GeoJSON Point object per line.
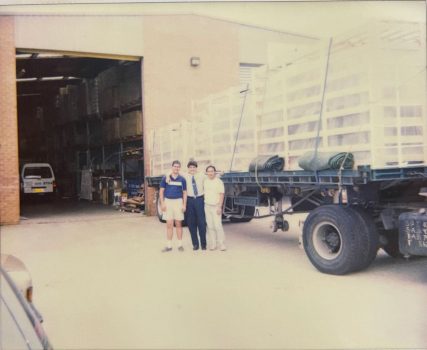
{"type": "Point", "coordinates": [184, 201]}
{"type": "Point", "coordinates": [219, 205]}
{"type": "Point", "coordinates": [162, 199]}
{"type": "Point", "coordinates": [184, 195]}
{"type": "Point", "coordinates": [162, 194]}
{"type": "Point", "coordinates": [202, 178]}
{"type": "Point", "coordinates": [221, 192]}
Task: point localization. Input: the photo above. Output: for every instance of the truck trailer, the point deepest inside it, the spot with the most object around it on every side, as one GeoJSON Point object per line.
{"type": "Point", "coordinates": [351, 213]}
{"type": "Point", "coordinates": [362, 95]}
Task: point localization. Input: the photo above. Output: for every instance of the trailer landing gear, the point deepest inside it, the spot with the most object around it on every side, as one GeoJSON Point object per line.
{"type": "Point", "coordinates": [279, 223]}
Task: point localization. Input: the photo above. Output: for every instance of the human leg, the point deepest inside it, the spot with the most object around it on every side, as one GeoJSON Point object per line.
{"type": "Point", "coordinates": [219, 231]}
{"type": "Point", "coordinates": [168, 216]}
{"type": "Point", "coordinates": [169, 235]}
{"type": "Point", "coordinates": [191, 215]}
{"type": "Point", "coordinates": [201, 221]}
{"type": "Point", "coordinates": [173, 214]}
{"type": "Point", "coordinates": [178, 216]}
{"type": "Point", "coordinates": [210, 212]}
{"type": "Point", "coordinates": [169, 230]}
{"type": "Point", "coordinates": [178, 227]}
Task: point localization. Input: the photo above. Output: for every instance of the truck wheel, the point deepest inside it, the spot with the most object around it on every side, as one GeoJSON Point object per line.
{"type": "Point", "coordinates": [392, 245]}
{"type": "Point", "coordinates": [248, 211]}
{"type": "Point", "coordinates": [332, 239]}
{"type": "Point", "coordinates": [159, 210]}
{"type": "Point", "coordinates": [369, 235]}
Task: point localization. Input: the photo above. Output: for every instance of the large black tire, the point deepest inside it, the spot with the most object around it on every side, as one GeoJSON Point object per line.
{"type": "Point", "coordinates": [392, 245]}
{"type": "Point", "coordinates": [248, 211]}
{"type": "Point", "coordinates": [334, 240]}
{"type": "Point", "coordinates": [369, 235]}
{"type": "Point", "coordinates": [159, 210]}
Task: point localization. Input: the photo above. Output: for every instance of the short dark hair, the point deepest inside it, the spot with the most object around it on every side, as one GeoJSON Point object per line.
{"type": "Point", "coordinates": [176, 162]}
{"type": "Point", "coordinates": [210, 166]}
{"type": "Point", "coordinates": [192, 163]}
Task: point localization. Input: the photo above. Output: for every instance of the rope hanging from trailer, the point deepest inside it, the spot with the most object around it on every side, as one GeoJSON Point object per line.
{"type": "Point", "coordinates": [260, 124]}
{"type": "Point", "coordinates": [322, 106]}
{"type": "Point", "coordinates": [240, 123]}
{"type": "Point", "coordinates": [322, 103]}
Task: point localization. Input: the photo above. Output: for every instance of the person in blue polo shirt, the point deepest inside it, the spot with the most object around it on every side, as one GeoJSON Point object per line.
{"type": "Point", "coordinates": [173, 200]}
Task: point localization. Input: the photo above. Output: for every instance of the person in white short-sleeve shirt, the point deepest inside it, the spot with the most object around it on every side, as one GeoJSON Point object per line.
{"type": "Point", "coordinates": [214, 198]}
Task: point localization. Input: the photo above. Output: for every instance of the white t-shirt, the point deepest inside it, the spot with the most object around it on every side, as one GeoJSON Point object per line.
{"type": "Point", "coordinates": [213, 188]}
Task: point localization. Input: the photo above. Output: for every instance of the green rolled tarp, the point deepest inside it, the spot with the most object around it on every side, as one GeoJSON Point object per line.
{"type": "Point", "coordinates": [267, 163]}
{"type": "Point", "coordinates": [325, 160]}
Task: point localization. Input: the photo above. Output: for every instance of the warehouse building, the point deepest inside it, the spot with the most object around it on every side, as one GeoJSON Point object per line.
{"type": "Point", "coordinates": [84, 92]}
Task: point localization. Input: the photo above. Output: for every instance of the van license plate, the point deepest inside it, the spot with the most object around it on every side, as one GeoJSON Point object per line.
{"type": "Point", "coordinates": [38, 190]}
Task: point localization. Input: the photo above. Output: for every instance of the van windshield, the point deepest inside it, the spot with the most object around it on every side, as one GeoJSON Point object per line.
{"type": "Point", "coordinates": [43, 172]}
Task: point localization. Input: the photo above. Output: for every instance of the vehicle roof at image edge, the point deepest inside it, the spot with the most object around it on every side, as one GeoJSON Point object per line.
{"type": "Point", "coordinates": [18, 320]}
{"type": "Point", "coordinates": [36, 165]}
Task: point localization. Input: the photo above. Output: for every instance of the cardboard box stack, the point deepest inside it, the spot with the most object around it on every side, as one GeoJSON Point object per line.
{"type": "Point", "coordinates": [131, 124]}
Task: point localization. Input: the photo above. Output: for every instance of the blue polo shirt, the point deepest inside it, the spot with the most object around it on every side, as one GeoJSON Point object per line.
{"type": "Point", "coordinates": [174, 189]}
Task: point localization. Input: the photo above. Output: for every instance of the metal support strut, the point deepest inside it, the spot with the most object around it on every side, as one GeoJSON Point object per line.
{"type": "Point", "coordinates": [279, 221]}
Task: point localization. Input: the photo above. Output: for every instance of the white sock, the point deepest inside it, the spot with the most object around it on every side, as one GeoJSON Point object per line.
{"type": "Point", "coordinates": [169, 244]}
{"type": "Point", "coordinates": [179, 243]}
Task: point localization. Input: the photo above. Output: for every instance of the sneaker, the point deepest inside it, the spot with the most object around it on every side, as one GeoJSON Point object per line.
{"type": "Point", "coordinates": [166, 249]}
{"type": "Point", "coordinates": [212, 248]}
{"type": "Point", "coordinates": [181, 249]}
{"type": "Point", "coordinates": [223, 248]}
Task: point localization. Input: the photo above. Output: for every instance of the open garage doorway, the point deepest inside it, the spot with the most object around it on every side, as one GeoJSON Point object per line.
{"type": "Point", "coordinates": [83, 116]}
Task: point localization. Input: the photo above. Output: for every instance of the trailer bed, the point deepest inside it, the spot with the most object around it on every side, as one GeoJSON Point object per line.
{"type": "Point", "coordinates": [363, 175]}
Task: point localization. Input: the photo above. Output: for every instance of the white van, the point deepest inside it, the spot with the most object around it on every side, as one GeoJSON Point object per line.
{"type": "Point", "coordinates": [37, 178]}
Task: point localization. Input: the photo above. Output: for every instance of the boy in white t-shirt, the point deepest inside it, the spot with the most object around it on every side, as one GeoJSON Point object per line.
{"type": "Point", "coordinates": [214, 198]}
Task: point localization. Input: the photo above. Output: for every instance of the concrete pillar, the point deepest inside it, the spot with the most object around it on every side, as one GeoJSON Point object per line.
{"type": "Point", "coordinates": [9, 158]}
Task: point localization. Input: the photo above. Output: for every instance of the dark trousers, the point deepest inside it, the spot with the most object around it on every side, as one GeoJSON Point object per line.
{"type": "Point", "coordinates": [195, 215]}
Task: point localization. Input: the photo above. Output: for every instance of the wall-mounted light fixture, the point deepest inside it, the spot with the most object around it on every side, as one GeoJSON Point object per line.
{"type": "Point", "coordinates": [195, 61]}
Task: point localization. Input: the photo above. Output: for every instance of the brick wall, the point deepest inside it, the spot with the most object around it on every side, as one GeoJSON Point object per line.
{"type": "Point", "coordinates": [9, 164]}
{"type": "Point", "coordinates": [170, 83]}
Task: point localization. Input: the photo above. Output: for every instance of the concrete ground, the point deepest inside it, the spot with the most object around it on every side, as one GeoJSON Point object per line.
{"type": "Point", "coordinates": [101, 282]}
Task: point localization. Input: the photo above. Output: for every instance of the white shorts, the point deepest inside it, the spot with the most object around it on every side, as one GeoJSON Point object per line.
{"type": "Point", "coordinates": [173, 209]}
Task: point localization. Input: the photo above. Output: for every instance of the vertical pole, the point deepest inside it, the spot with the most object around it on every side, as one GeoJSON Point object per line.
{"type": "Point", "coordinates": [88, 160]}
{"type": "Point", "coordinates": [121, 163]}
{"type": "Point", "coordinates": [240, 123]}
{"type": "Point", "coordinates": [322, 103]}
{"type": "Point", "coordinates": [77, 169]}
{"type": "Point", "coordinates": [103, 158]}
